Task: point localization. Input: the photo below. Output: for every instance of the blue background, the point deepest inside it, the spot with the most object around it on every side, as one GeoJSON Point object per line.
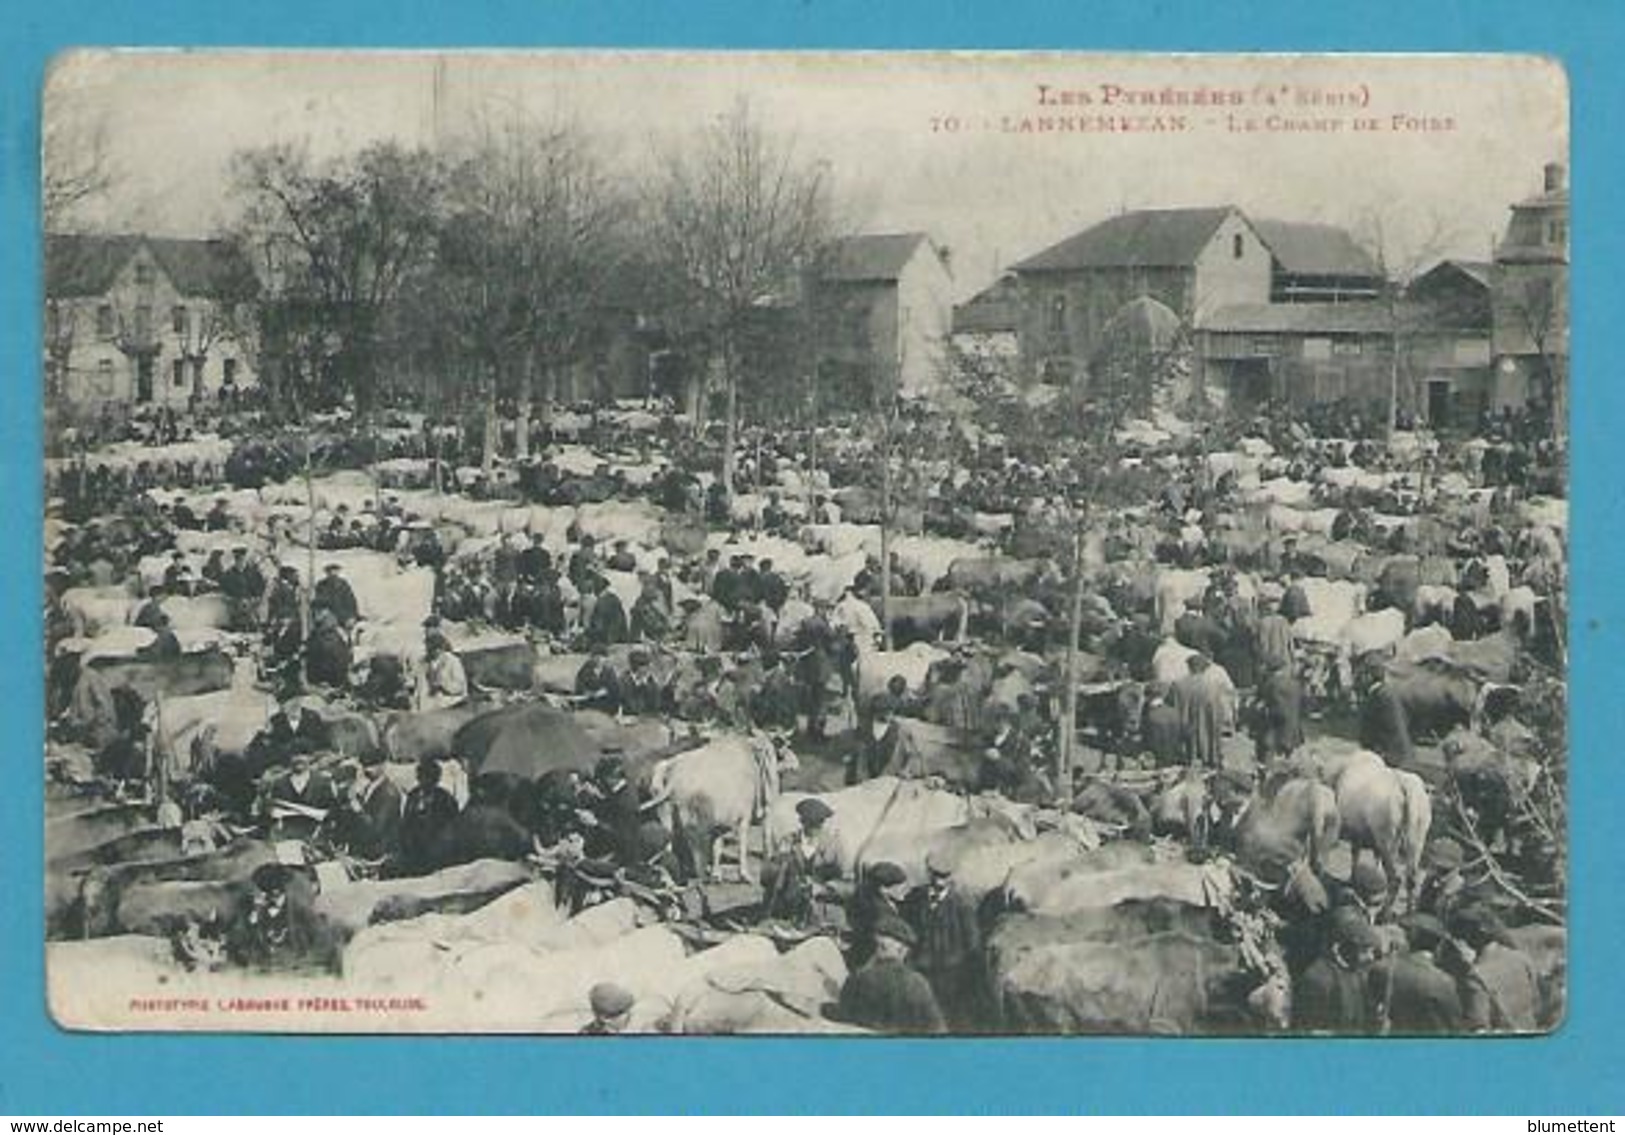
{"type": "Point", "coordinates": [44, 1070]}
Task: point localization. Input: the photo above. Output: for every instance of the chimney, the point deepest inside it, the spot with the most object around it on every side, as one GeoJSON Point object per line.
{"type": "Point", "coordinates": [1554, 176]}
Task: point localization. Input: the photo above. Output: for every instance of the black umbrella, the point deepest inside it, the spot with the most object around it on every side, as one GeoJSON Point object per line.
{"type": "Point", "coordinates": [525, 740]}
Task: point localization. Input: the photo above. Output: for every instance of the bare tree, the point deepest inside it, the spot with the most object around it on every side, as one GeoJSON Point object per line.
{"type": "Point", "coordinates": [1400, 259]}
{"type": "Point", "coordinates": [734, 218]}
{"type": "Point", "coordinates": [1537, 309]}
{"type": "Point", "coordinates": [76, 163]}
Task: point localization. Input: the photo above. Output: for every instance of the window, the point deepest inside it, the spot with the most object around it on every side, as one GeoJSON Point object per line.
{"type": "Point", "coordinates": [179, 371]}
{"type": "Point", "coordinates": [1238, 247]}
{"type": "Point", "coordinates": [104, 321]}
{"type": "Point", "coordinates": [1556, 232]}
{"type": "Point", "coordinates": [178, 318]}
{"type": "Point", "coordinates": [143, 273]}
{"type": "Point", "coordinates": [1057, 315]}
{"type": "Point", "coordinates": [1317, 349]}
{"type": "Point", "coordinates": [104, 378]}
{"type": "Point", "coordinates": [1347, 348]}
{"type": "Point", "coordinates": [229, 372]}
{"type": "Point", "coordinates": [143, 321]}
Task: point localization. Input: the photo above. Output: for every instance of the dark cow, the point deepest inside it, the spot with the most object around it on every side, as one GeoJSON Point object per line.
{"type": "Point", "coordinates": [927, 618]}
{"type": "Point", "coordinates": [105, 891]}
{"type": "Point", "coordinates": [77, 832]}
{"type": "Point", "coordinates": [509, 666]}
{"type": "Point", "coordinates": [1437, 696]}
{"type": "Point", "coordinates": [1048, 978]}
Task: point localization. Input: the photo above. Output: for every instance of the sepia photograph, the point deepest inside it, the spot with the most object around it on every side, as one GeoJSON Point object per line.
{"type": "Point", "coordinates": [843, 543]}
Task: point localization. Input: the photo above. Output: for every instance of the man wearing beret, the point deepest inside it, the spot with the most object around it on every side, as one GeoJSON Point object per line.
{"type": "Point", "coordinates": [793, 878]}
{"type": "Point", "coordinates": [611, 1009]}
{"type": "Point", "coordinates": [949, 949]}
{"type": "Point", "coordinates": [377, 803]}
{"type": "Point", "coordinates": [887, 995]}
{"type": "Point", "coordinates": [1332, 995]}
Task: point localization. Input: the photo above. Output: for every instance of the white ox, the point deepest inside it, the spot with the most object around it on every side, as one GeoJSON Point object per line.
{"type": "Point", "coordinates": [719, 789]}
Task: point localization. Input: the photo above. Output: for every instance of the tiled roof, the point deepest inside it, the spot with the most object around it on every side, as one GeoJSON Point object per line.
{"type": "Point", "coordinates": [86, 265]}
{"type": "Point", "coordinates": [877, 256]}
{"type": "Point", "coordinates": [1315, 250]}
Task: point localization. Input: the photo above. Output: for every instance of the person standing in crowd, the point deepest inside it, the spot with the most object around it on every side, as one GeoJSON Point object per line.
{"type": "Point", "coordinates": [1384, 724]}
{"type": "Point", "coordinates": [1204, 714]}
{"type": "Point", "coordinates": [444, 682]}
{"type": "Point", "coordinates": [1278, 714]}
{"type": "Point", "coordinates": [948, 949]}
{"type": "Point", "coordinates": [881, 893]}
{"type": "Point", "coordinates": [1333, 995]}
{"type": "Point", "coordinates": [886, 994]}
{"type": "Point", "coordinates": [334, 595]}
{"type": "Point", "coordinates": [793, 880]}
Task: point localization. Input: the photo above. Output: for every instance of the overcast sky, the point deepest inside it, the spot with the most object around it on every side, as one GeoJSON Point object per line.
{"type": "Point", "coordinates": [932, 142]}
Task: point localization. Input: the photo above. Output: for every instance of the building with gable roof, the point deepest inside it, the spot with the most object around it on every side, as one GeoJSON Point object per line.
{"type": "Point", "coordinates": [884, 306]}
{"type": "Point", "coordinates": [139, 320]}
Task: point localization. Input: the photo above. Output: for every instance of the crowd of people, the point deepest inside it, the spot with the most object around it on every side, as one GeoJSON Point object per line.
{"type": "Point", "coordinates": [1220, 687]}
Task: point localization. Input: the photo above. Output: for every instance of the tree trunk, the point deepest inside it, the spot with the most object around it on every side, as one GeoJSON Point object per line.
{"type": "Point", "coordinates": [1068, 739]}
{"type": "Point", "coordinates": [521, 425]}
{"type": "Point", "coordinates": [730, 422]}
{"type": "Point", "coordinates": [488, 454]}
{"type": "Point", "coordinates": [885, 531]}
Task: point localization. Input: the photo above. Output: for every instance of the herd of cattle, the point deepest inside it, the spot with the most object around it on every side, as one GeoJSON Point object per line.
{"type": "Point", "coordinates": [1137, 899]}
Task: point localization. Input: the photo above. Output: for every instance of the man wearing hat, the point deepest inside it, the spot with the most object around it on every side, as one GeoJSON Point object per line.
{"type": "Point", "coordinates": [1274, 635]}
{"type": "Point", "coordinates": [328, 656]}
{"type": "Point", "coordinates": [793, 878]}
{"type": "Point", "coordinates": [1278, 713]}
{"type": "Point", "coordinates": [611, 1009]}
{"type": "Point", "coordinates": [217, 519]}
{"type": "Point", "coordinates": [597, 684]}
{"type": "Point", "coordinates": [302, 786]}
{"type": "Point", "coordinates": [376, 803]}
{"type": "Point", "coordinates": [333, 593]}
{"type": "Point", "coordinates": [879, 896]}
{"type": "Point", "coordinates": [617, 817]}
{"type": "Point", "coordinates": [641, 691]}
{"type": "Point", "coordinates": [949, 947]}
{"type": "Point", "coordinates": [882, 748]}
{"type": "Point", "coordinates": [277, 927]}
{"type": "Point", "coordinates": [886, 994]}
{"type": "Point", "coordinates": [1205, 713]}
{"type": "Point", "coordinates": [1333, 994]}
{"type": "Point", "coordinates": [1443, 885]}
{"type": "Point", "coordinates": [1197, 630]}
{"type": "Point", "coordinates": [243, 585]}
{"type": "Point", "coordinates": [606, 623]}
{"type": "Point", "coordinates": [1412, 994]}
{"type": "Point", "coordinates": [426, 813]}
{"type": "Point", "coordinates": [1384, 723]}
{"type": "Point", "coordinates": [164, 644]}
{"type": "Point", "coordinates": [174, 572]}
{"type": "Point", "coordinates": [951, 702]}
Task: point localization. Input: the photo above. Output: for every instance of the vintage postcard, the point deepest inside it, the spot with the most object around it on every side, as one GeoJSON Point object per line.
{"type": "Point", "coordinates": [684, 543]}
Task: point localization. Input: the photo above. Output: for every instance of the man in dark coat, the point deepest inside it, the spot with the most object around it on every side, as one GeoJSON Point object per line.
{"type": "Point", "coordinates": [597, 685]}
{"type": "Point", "coordinates": [302, 786]}
{"type": "Point", "coordinates": [1197, 630]}
{"type": "Point", "coordinates": [617, 815]}
{"type": "Point", "coordinates": [277, 928]}
{"type": "Point", "coordinates": [880, 895]}
{"type": "Point", "coordinates": [607, 625]}
{"type": "Point", "coordinates": [1384, 724]}
{"type": "Point", "coordinates": [377, 803]}
{"type": "Point", "coordinates": [485, 829]}
{"type": "Point", "coordinates": [949, 944]}
{"type": "Point", "coordinates": [881, 749]}
{"type": "Point", "coordinates": [427, 812]}
{"type": "Point", "coordinates": [887, 995]}
{"type": "Point", "coordinates": [1278, 714]}
{"type": "Point", "coordinates": [641, 692]}
{"type": "Point", "coordinates": [1333, 994]}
